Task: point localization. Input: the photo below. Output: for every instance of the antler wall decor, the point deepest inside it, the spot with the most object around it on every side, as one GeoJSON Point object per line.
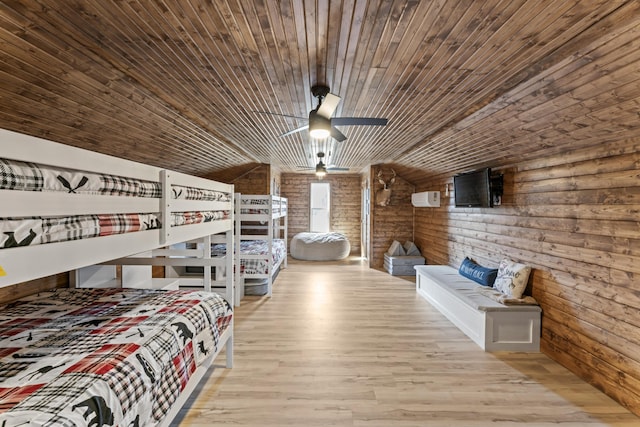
{"type": "Point", "coordinates": [383, 195]}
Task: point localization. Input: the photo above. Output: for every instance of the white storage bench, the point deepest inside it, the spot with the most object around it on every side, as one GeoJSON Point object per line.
{"type": "Point", "coordinates": [490, 324]}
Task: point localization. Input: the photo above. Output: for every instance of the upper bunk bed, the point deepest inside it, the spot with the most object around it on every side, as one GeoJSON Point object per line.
{"type": "Point", "coordinates": [56, 218]}
{"type": "Point", "coordinates": [67, 209]}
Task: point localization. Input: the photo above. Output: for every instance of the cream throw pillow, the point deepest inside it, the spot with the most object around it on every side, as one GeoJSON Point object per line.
{"type": "Point", "coordinates": [512, 278]}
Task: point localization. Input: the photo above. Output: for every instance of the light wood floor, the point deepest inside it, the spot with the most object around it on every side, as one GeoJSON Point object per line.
{"type": "Point", "coordinates": [340, 344]}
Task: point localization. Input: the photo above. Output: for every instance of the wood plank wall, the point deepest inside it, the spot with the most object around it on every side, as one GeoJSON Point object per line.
{"type": "Point", "coordinates": [573, 218]}
{"type": "Point", "coordinates": [345, 204]}
{"type": "Point", "coordinates": [255, 181]}
{"type": "Point", "coordinates": [392, 222]}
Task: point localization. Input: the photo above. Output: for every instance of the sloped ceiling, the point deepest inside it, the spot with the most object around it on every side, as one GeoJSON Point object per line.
{"type": "Point", "coordinates": [182, 84]}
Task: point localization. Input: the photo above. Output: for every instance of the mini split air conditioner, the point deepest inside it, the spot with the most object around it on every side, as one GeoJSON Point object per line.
{"type": "Point", "coordinates": [426, 199]}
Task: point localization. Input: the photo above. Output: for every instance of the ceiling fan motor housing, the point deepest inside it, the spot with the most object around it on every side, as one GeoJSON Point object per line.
{"type": "Point", "coordinates": [320, 91]}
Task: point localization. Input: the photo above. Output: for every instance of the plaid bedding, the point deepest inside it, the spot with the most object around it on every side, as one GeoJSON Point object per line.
{"type": "Point", "coordinates": [16, 175]}
{"type": "Point", "coordinates": [192, 193]}
{"type": "Point", "coordinates": [33, 231]}
{"type": "Point", "coordinates": [258, 205]}
{"type": "Point", "coordinates": [24, 176]}
{"type": "Point", "coordinates": [185, 218]}
{"type": "Point", "coordinates": [248, 200]}
{"type": "Point", "coordinates": [255, 247]}
{"type": "Point", "coordinates": [73, 362]}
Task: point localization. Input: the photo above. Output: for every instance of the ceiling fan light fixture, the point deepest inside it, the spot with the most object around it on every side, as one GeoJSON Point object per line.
{"type": "Point", "coordinates": [319, 133]}
{"type": "Point", "coordinates": [321, 169]}
{"type": "Point", "coordinates": [319, 127]}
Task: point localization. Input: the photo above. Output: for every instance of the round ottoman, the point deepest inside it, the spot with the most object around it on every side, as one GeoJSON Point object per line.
{"type": "Point", "coordinates": [320, 246]}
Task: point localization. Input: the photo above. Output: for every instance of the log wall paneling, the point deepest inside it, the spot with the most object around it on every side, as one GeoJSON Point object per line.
{"type": "Point", "coordinates": [574, 219]}
{"type": "Point", "coordinates": [345, 204]}
{"type": "Point", "coordinates": [392, 222]}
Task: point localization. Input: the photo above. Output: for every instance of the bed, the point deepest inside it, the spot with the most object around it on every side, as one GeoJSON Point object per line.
{"type": "Point", "coordinates": [260, 239]}
{"type": "Point", "coordinates": [55, 218]}
{"type": "Point", "coordinates": [260, 231]}
{"type": "Point", "coordinates": [74, 357]}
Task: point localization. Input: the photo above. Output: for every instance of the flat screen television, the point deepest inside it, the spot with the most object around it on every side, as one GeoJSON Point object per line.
{"type": "Point", "coordinates": [473, 189]}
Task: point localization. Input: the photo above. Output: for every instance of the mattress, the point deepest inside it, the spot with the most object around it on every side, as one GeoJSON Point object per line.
{"type": "Point", "coordinates": [41, 230]}
{"type": "Point", "coordinates": [25, 176]}
{"type": "Point", "coordinates": [95, 357]}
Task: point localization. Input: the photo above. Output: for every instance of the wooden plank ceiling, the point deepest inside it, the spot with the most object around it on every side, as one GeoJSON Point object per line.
{"type": "Point", "coordinates": [179, 84]}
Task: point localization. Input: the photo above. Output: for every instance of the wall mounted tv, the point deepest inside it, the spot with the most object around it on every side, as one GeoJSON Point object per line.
{"type": "Point", "coordinates": [476, 189]}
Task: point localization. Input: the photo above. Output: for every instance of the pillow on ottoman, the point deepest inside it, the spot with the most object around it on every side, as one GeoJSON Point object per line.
{"type": "Point", "coordinates": [396, 249]}
{"type": "Point", "coordinates": [479, 274]}
{"type": "Point", "coordinates": [512, 278]}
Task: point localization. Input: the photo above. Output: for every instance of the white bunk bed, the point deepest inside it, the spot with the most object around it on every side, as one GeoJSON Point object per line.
{"type": "Point", "coordinates": [260, 238]}
{"type": "Point", "coordinates": [187, 266]}
{"type": "Point", "coordinates": [134, 213]}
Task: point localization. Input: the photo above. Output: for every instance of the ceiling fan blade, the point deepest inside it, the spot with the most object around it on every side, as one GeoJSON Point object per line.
{"type": "Point", "coordinates": [361, 121]}
{"type": "Point", "coordinates": [294, 131]}
{"type": "Point", "coordinates": [329, 105]}
{"type": "Point", "coordinates": [281, 115]}
{"type": "Point", "coordinates": [332, 168]}
{"type": "Point", "coordinates": [337, 135]}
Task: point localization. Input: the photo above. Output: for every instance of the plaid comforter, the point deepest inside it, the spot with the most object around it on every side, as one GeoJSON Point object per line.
{"type": "Point", "coordinates": [103, 357]}
{"type": "Point", "coordinates": [34, 231]}
{"type": "Point", "coordinates": [255, 247]}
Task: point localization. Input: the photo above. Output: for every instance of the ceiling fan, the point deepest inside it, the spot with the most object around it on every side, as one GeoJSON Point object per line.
{"type": "Point", "coordinates": [321, 124]}
{"type": "Point", "coordinates": [321, 169]}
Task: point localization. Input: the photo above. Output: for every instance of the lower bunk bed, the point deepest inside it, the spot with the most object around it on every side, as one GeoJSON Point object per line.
{"type": "Point", "coordinates": [96, 357]}
{"type": "Point", "coordinates": [113, 356]}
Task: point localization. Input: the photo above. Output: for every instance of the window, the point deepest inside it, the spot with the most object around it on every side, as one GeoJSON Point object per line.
{"type": "Point", "coordinates": [320, 203]}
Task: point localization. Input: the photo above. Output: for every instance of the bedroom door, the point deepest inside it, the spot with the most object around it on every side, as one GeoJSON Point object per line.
{"type": "Point", "coordinates": [320, 207]}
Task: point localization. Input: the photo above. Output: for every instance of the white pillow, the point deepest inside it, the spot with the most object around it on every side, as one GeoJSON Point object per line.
{"type": "Point", "coordinates": [512, 278]}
